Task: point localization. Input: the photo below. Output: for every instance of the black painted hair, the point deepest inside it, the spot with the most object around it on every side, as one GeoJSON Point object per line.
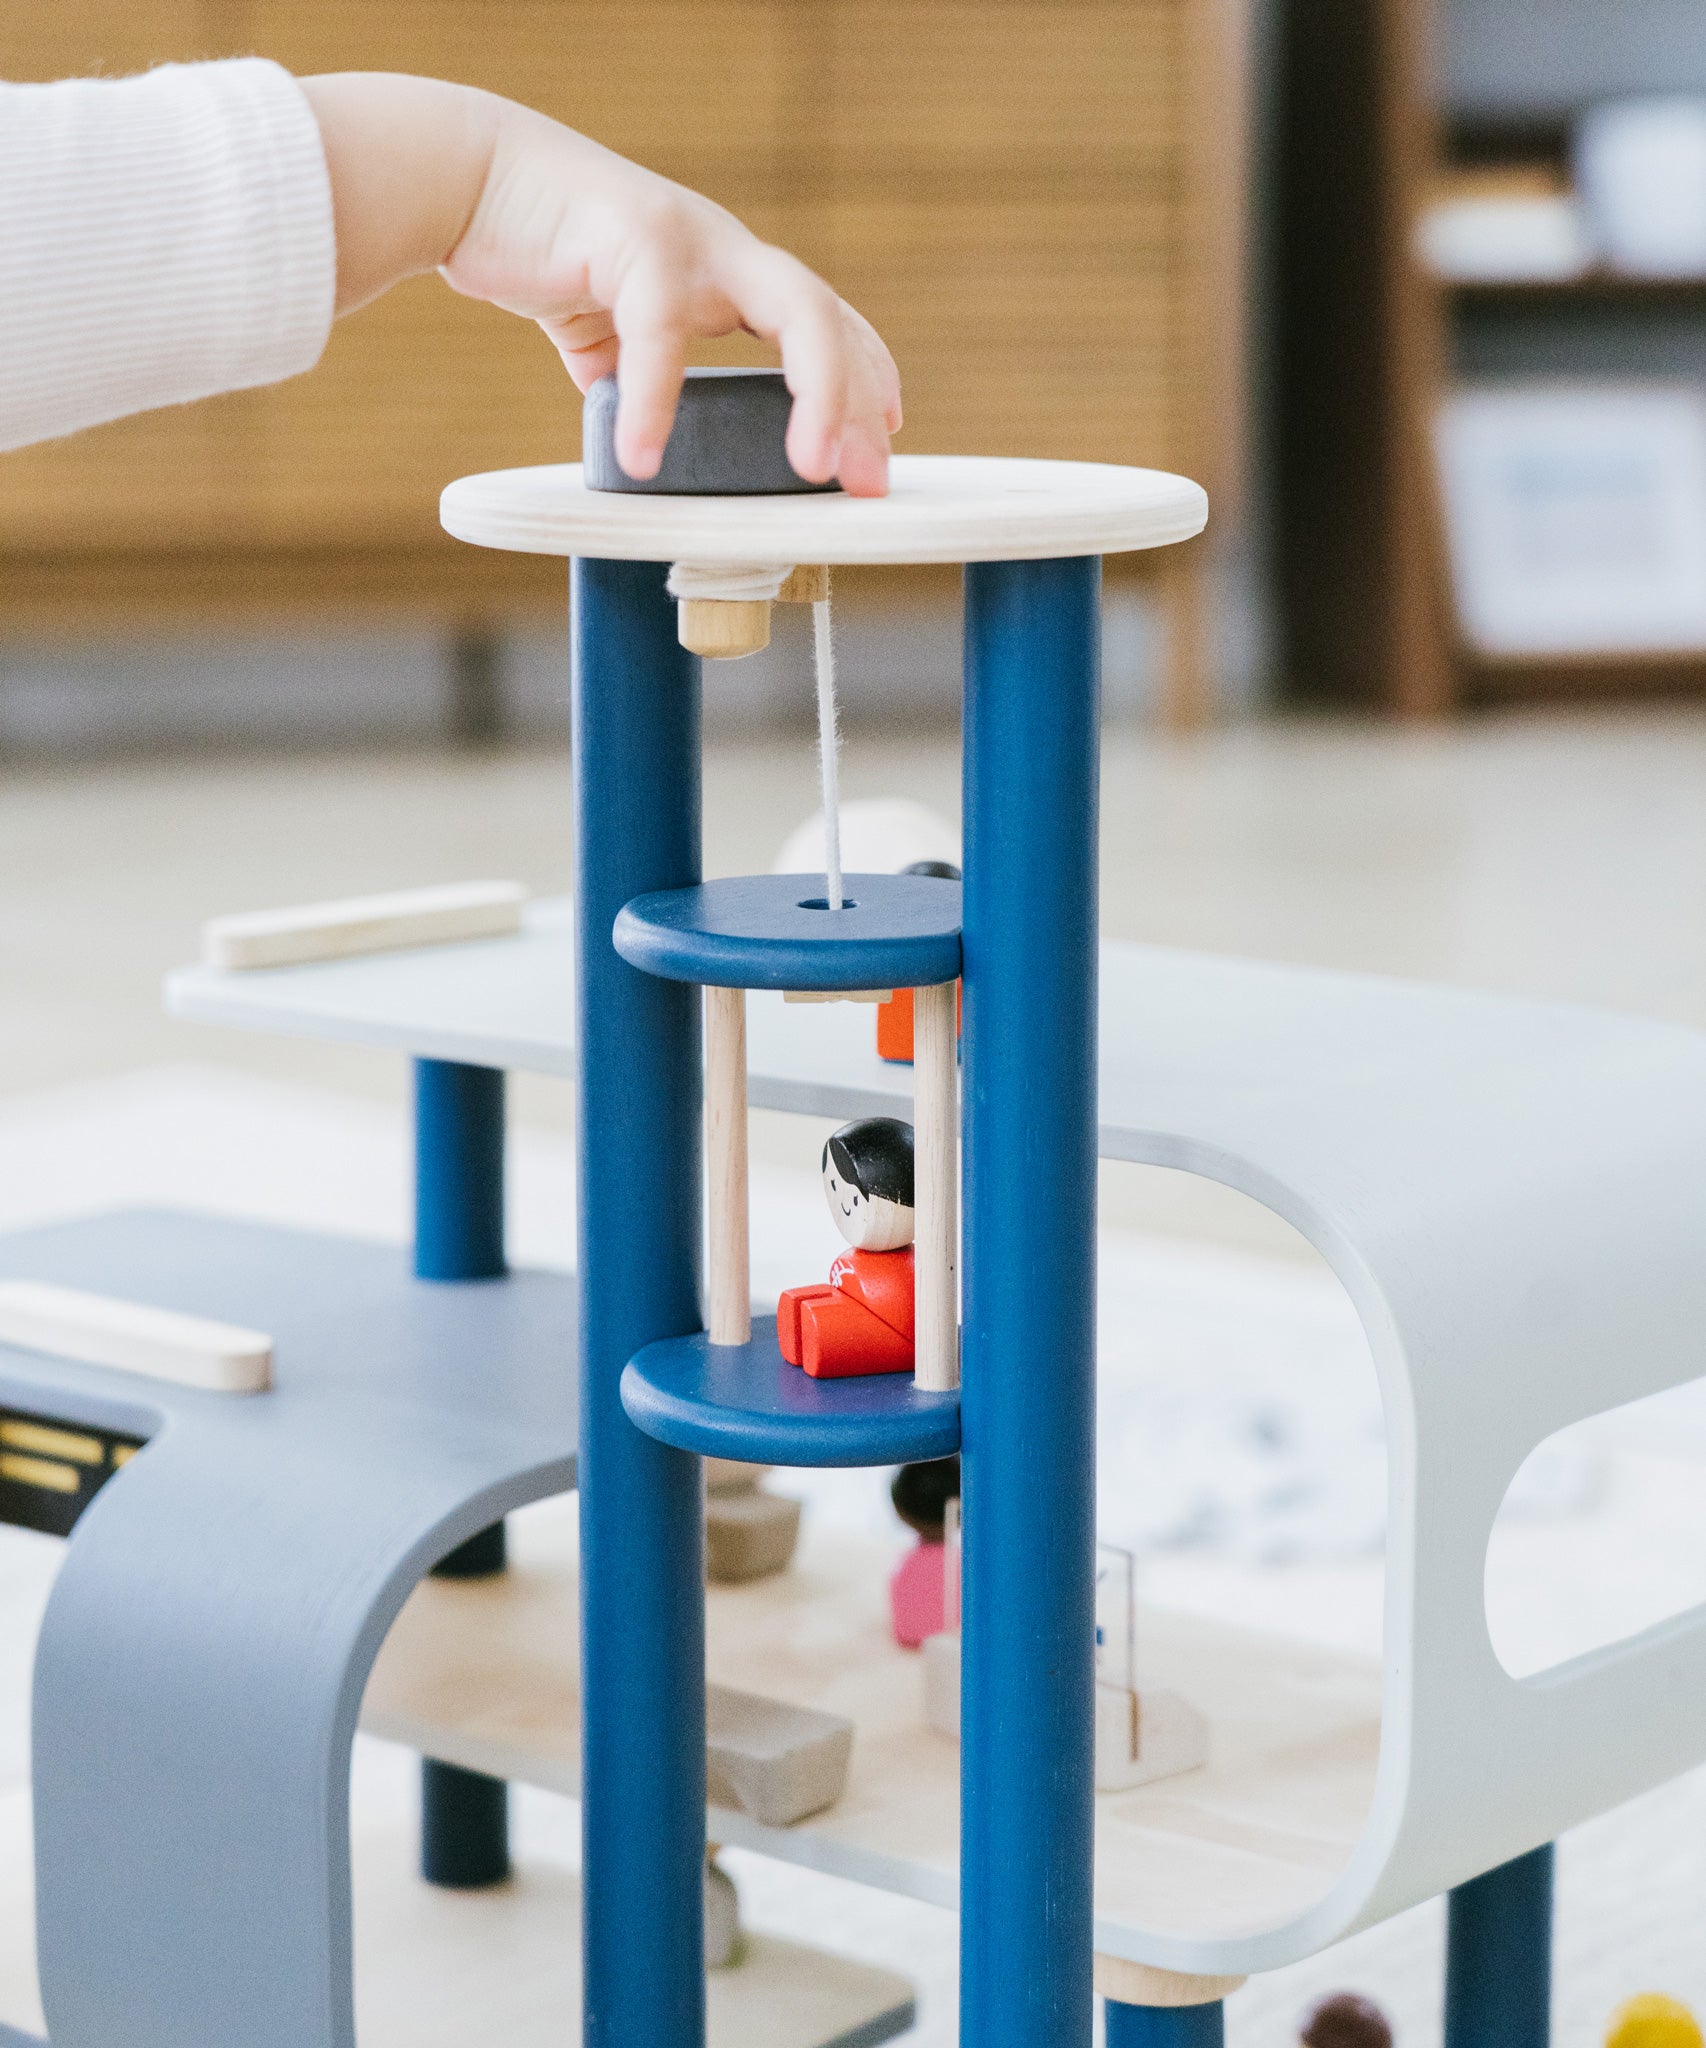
{"type": "Point", "coordinates": [921, 1494]}
{"type": "Point", "coordinates": [939, 870]}
{"type": "Point", "coordinates": [874, 1155]}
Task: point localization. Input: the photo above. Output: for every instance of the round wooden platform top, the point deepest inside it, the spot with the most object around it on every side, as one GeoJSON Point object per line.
{"type": "Point", "coordinates": [940, 508]}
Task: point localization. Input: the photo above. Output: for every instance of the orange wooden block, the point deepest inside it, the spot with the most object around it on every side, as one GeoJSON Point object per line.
{"type": "Point", "coordinates": [894, 1024]}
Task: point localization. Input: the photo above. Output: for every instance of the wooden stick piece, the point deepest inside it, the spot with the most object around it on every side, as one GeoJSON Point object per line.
{"type": "Point", "coordinates": [443, 915]}
{"type": "Point", "coordinates": [936, 1187]}
{"type": "Point", "coordinates": [131, 1336]}
{"type": "Point", "coordinates": [730, 1320]}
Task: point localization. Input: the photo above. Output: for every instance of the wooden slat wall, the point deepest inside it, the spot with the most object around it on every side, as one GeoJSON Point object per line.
{"type": "Point", "coordinates": [1006, 188]}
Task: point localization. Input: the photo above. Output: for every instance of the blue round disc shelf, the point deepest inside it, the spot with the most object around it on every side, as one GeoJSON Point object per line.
{"type": "Point", "coordinates": [775, 932]}
{"type": "Point", "coordinates": [747, 1401]}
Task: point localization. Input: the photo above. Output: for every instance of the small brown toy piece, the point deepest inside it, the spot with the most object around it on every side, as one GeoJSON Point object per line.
{"type": "Point", "coordinates": [1345, 2019]}
{"type": "Point", "coordinates": [749, 1534]}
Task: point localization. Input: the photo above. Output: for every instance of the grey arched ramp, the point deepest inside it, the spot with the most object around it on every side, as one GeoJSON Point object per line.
{"type": "Point", "coordinates": [203, 1655]}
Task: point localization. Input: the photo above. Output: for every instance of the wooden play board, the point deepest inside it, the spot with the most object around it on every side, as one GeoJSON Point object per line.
{"type": "Point", "coordinates": [440, 1969]}
{"type": "Point", "coordinates": [483, 1673]}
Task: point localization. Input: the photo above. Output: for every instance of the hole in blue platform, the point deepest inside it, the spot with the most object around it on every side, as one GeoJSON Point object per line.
{"type": "Point", "coordinates": [822, 903]}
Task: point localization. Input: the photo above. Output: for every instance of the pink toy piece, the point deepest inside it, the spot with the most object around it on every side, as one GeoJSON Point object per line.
{"type": "Point", "coordinates": [918, 1594]}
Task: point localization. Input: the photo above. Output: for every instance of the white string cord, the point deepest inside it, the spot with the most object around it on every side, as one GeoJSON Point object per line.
{"type": "Point", "coordinates": [829, 748]}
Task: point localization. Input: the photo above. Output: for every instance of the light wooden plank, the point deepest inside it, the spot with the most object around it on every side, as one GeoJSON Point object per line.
{"type": "Point", "coordinates": [445, 914]}
{"type": "Point", "coordinates": [483, 1673]}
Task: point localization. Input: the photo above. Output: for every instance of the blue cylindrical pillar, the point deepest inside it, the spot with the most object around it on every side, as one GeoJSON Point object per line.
{"type": "Point", "coordinates": [459, 1171]}
{"type": "Point", "coordinates": [1166, 2026]}
{"type": "Point", "coordinates": [636, 740]}
{"type": "Point", "coordinates": [1498, 1956]}
{"type": "Point", "coordinates": [459, 1235]}
{"type": "Point", "coordinates": [1028, 1418]}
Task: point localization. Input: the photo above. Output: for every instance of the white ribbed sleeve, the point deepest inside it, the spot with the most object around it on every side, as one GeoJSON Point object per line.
{"type": "Point", "coordinates": [161, 238]}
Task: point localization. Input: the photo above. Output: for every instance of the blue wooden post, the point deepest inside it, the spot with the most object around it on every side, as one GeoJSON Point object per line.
{"type": "Point", "coordinates": [1028, 1419]}
{"type": "Point", "coordinates": [1166, 2026]}
{"type": "Point", "coordinates": [459, 1235]}
{"type": "Point", "coordinates": [1498, 1956]}
{"type": "Point", "coordinates": [636, 739]}
{"type": "Point", "coordinates": [459, 1171]}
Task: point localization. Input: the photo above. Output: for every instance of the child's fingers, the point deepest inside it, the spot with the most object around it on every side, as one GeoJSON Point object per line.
{"type": "Point", "coordinates": [844, 382]}
{"type": "Point", "coordinates": [887, 375]}
{"type": "Point", "coordinates": [587, 344]}
{"type": "Point", "coordinates": [651, 362]}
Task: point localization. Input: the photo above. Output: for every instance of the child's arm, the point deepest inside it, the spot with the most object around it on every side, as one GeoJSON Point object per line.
{"type": "Point", "coordinates": [622, 269]}
{"type": "Point", "coordinates": [170, 236]}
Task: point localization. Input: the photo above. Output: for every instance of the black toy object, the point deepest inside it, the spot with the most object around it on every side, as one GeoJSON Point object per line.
{"type": "Point", "coordinates": [1345, 2020]}
{"type": "Point", "coordinates": [727, 441]}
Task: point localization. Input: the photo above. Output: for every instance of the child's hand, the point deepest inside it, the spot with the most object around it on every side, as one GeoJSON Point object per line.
{"type": "Point", "coordinates": [621, 268]}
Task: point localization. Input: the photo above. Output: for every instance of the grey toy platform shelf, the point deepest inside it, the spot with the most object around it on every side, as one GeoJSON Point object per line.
{"type": "Point", "coordinates": [166, 1723]}
{"type": "Point", "coordinates": [440, 1969]}
{"type": "Point", "coordinates": [1456, 1157]}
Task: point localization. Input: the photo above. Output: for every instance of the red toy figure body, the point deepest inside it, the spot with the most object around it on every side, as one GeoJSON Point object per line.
{"type": "Point", "coordinates": [862, 1321]}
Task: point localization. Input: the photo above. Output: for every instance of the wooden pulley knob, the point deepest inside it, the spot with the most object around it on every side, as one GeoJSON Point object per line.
{"type": "Point", "coordinates": [723, 629]}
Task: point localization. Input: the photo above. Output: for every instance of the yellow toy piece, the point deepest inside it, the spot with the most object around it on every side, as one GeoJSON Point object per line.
{"type": "Point", "coordinates": [1654, 2021]}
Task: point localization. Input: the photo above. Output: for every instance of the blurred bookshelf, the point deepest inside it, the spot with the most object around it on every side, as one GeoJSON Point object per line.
{"type": "Point", "coordinates": [1388, 114]}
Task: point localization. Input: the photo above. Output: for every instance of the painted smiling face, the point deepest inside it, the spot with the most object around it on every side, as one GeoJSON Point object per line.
{"type": "Point", "coordinates": [867, 1181]}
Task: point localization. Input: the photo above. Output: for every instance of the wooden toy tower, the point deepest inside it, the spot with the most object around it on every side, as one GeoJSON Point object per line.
{"type": "Point", "coordinates": [655, 1387]}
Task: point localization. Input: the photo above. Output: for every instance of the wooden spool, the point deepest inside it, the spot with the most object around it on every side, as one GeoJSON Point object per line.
{"type": "Point", "coordinates": [723, 629]}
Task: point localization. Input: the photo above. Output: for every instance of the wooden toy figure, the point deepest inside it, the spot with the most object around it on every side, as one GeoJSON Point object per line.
{"type": "Point", "coordinates": [862, 1322]}
{"type": "Point", "coordinates": [1653, 2021]}
{"type": "Point", "coordinates": [918, 1585]}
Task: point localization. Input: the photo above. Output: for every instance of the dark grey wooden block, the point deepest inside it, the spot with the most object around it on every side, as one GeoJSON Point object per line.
{"type": "Point", "coordinates": [727, 441]}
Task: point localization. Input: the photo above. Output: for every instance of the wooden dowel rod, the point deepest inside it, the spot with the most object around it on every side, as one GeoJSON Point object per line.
{"type": "Point", "coordinates": [730, 1320]}
{"type": "Point", "coordinates": [936, 1186]}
